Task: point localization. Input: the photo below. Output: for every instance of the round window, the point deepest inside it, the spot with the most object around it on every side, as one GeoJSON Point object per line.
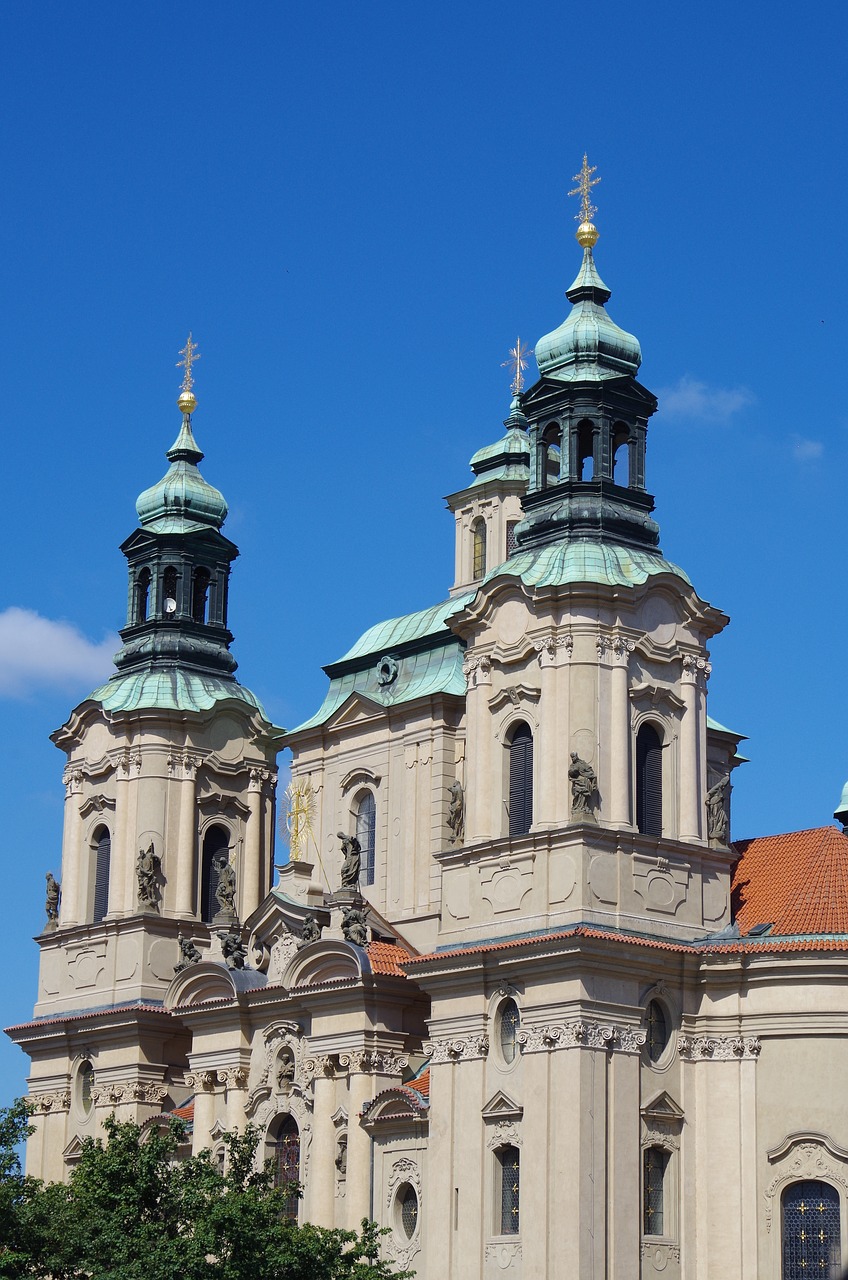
{"type": "Point", "coordinates": [507, 1028]}
{"type": "Point", "coordinates": [658, 1030]}
{"type": "Point", "coordinates": [407, 1205]}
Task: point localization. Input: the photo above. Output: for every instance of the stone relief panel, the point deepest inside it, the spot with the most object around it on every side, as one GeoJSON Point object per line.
{"type": "Point", "coordinates": [661, 886]}
{"type": "Point", "coordinates": [506, 886]}
{"type": "Point", "coordinates": [400, 1248]}
{"type": "Point", "coordinates": [719, 1048]}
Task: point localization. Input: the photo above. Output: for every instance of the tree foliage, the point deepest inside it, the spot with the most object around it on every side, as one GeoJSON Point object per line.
{"type": "Point", "coordinates": [133, 1211]}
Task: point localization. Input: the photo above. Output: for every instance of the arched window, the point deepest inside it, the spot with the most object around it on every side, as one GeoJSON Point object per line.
{"type": "Point", "coordinates": [508, 1022]}
{"type": "Point", "coordinates": [478, 569]}
{"type": "Point", "coordinates": [366, 833]}
{"type": "Point", "coordinates": [520, 780]}
{"type": "Point", "coordinates": [169, 591]}
{"type": "Point", "coordinates": [620, 437]}
{"type": "Point", "coordinates": [199, 595]}
{"type": "Point", "coordinates": [142, 595]}
{"type": "Point", "coordinates": [285, 1154]}
{"type": "Point", "coordinates": [85, 1076]}
{"type": "Point", "coordinates": [812, 1242]}
{"type": "Point", "coordinates": [549, 455]}
{"type": "Point", "coordinates": [654, 1166]}
{"type": "Point", "coordinates": [585, 450]}
{"type": "Point", "coordinates": [509, 1176]}
{"type": "Point", "coordinates": [649, 798]}
{"type": "Point", "coordinates": [657, 1029]}
{"type": "Point", "coordinates": [510, 537]}
{"type": "Point", "coordinates": [216, 845]}
{"type": "Point", "coordinates": [102, 859]}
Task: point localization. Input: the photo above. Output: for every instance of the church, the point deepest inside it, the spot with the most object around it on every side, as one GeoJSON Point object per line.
{"type": "Point", "coordinates": [515, 994]}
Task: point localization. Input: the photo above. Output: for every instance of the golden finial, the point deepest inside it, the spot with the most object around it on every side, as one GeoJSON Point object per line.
{"type": "Point", "coordinates": [190, 353]}
{"type": "Point", "coordinates": [519, 358]}
{"type": "Point", "coordinates": [587, 232]}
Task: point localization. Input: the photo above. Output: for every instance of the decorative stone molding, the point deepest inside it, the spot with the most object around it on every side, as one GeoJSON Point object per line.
{"type": "Point", "coordinates": [202, 1080]}
{"type": "Point", "coordinates": [233, 1077]}
{"type": "Point", "coordinates": [322, 1066]}
{"type": "Point", "coordinates": [549, 650]}
{"type": "Point", "coordinates": [505, 1133]}
{"type": "Point", "coordinates": [465, 1047]}
{"type": "Point", "coordinates": [719, 1048]}
{"type": "Point", "coordinates": [590, 1035]}
{"type": "Point", "coordinates": [116, 1094]}
{"type": "Point", "coordinates": [662, 1123]}
{"type": "Point", "coordinates": [514, 694]}
{"type": "Point", "coordinates": [183, 764]}
{"type": "Point", "coordinates": [801, 1156]}
{"type": "Point", "coordinates": [359, 777]}
{"type": "Point", "coordinates": [259, 778]}
{"type": "Point", "coordinates": [477, 670]}
{"type": "Point", "coordinates": [95, 804]}
{"type": "Point", "coordinates": [72, 778]}
{"type": "Point", "coordinates": [503, 1254]}
{"type": "Point", "coordinates": [364, 1062]}
{"type": "Point", "coordinates": [696, 669]}
{"type": "Point", "coordinates": [614, 648]}
{"type": "Point", "coordinates": [129, 764]}
{"type": "Point", "coordinates": [389, 1064]}
{"type": "Point", "coordinates": [43, 1103]}
{"type": "Point", "coordinates": [403, 1251]}
{"type": "Point", "coordinates": [660, 1254]}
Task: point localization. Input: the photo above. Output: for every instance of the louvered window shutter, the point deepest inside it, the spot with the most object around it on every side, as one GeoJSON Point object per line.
{"type": "Point", "coordinates": [649, 781]}
{"type": "Point", "coordinates": [101, 875]}
{"type": "Point", "coordinates": [521, 781]}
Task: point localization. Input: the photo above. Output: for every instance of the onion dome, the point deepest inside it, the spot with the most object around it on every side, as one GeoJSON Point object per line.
{"type": "Point", "coordinates": [588, 346]}
{"type": "Point", "coordinates": [509, 457]}
{"type": "Point", "coordinates": [182, 500]}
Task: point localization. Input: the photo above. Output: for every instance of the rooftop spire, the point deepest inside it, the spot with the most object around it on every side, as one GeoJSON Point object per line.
{"type": "Point", "coordinates": [587, 232]}
{"type": "Point", "coordinates": [187, 401]}
{"type": "Point", "coordinates": [519, 358]}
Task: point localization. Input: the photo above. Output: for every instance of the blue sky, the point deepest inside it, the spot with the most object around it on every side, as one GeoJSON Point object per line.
{"type": "Point", "coordinates": [356, 209]}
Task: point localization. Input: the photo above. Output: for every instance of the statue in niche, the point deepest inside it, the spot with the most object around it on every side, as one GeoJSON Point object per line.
{"type": "Point", "coordinates": [352, 854]}
{"type": "Point", "coordinates": [353, 926]}
{"type": "Point", "coordinates": [718, 818]}
{"type": "Point", "coordinates": [584, 784]}
{"type": "Point", "coordinates": [235, 952]}
{"type": "Point", "coordinates": [311, 932]}
{"type": "Point", "coordinates": [189, 953]}
{"type": "Point", "coordinates": [147, 867]}
{"type": "Point", "coordinates": [341, 1156]}
{"type": "Point", "coordinates": [456, 812]}
{"type": "Point", "coordinates": [285, 1072]}
{"type": "Point", "coordinates": [225, 890]}
{"type": "Point", "coordinates": [51, 905]}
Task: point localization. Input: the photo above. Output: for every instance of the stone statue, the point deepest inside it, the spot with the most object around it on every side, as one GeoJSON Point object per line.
{"type": "Point", "coordinates": [51, 906]}
{"type": "Point", "coordinates": [225, 890]}
{"type": "Point", "coordinates": [584, 784]}
{"type": "Point", "coordinates": [456, 812]}
{"type": "Point", "coordinates": [189, 954]}
{"type": "Point", "coordinates": [718, 819]}
{"type": "Point", "coordinates": [352, 851]}
{"type": "Point", "coordinates": [147, 867]}
{"type": "Point", "coordinates": [341, 1157]}
{"type": "Point", "coordinates": [235, 952]}
{"type": "Point", "coordinates": [285, 1073]}
{"type": "Point", "coordinates": [311, 932]}
{"type": "Point", "coordinates": [353, 926]}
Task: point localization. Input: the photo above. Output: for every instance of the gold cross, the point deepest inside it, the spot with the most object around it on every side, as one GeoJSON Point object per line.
{"type": "Point", "coordinates": [519, 358]}
{"type": "Point", "coordinates": [585, 183]}
{"type": "Point", "coordinates": [191, 354]}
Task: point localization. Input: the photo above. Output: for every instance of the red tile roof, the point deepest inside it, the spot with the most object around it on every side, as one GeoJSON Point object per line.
{"type": "Point", "coordinates": [421, 1084]}
{"type": "Point", "coordinates": [575, 931]}
{"type": "Point", "coordinates": [385, 957]}
{"type": "Point", "coordinates": [184, 1113]}
{"type": "Point", "coordinates": [797, 883]}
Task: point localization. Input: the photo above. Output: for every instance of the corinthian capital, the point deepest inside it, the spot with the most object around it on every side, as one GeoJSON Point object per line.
{"type": "Point", "coordinates": [695, 667]}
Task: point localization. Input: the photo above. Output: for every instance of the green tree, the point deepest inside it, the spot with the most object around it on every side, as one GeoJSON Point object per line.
{"type": "Point", "coordinates": [132, 1211]}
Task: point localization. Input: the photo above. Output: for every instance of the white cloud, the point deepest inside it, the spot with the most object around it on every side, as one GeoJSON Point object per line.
{"type": "Point", "coordinates": [689, 398]}
{"type": "Point", "coordinates": [38, 652]}
{"type": "Point", "coordinates": [805, 450]}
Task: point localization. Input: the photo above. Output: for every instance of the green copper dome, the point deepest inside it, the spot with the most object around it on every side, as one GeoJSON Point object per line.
{"type": "Point", "coordinates": [182, 501]}
{"type": "Point", "coordinates": [588, 346]}
{"type": "Point", "coordinates": [509, 457]}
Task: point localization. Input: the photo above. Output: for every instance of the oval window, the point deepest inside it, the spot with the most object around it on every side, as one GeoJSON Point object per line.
{"type": "Point", "coordinates": [508, 1024]}
{"type": "Point", "coordinates": [85, 1076]}
{"type": "Point", "coordinates": [407, 1201]}
{"type": "Point", "coordinates": [659, 1032]}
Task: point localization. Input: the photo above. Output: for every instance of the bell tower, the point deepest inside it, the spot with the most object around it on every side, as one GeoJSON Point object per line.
{"type": "Point", "coordinates": [169, 794]}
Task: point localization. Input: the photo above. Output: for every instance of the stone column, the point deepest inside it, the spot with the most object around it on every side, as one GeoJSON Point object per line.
{"type": "Point", "coordinates": [71, 872]}
{"type": "Point", "coordinates": [619, 812]}
{"type": "Point", "coordinates": [118, 852]}
{"type": "Point", "coordinates": [358, 1180]}
{"type": "Point", "coordinates": [235, 1081]}
{"type": "Point", "coordinates": [130, 833]}
{"type": "Point", "coordinates": [690, 821]}
{"type": "Point", "coordinates": [185, 768]}
{"type": "Point", "coordinates": [203, 1083]}
{"type": "Point", "coordinates": [478, 815]}
{"type": "Point", "coordinates": [251, 878]}
{"type": "Point", "coordinates": [322, 1191]}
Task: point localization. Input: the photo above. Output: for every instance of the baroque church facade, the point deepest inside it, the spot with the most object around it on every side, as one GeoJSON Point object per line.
{"type": "Point", "coordinates": [534, 1013]}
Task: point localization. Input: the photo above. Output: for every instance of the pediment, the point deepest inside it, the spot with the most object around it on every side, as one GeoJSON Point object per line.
{"type": "Point", "coordinates": [517, 694]}
{"type": "Point", "coordinates": [359, 778]}
{"type": "Point", "coordinates": [73, 1151]}
{"type": "Point", "coordinates": [663, 1110]}
{"type": "Point", "coordinates": [651, 695]}
{"type": "Point", "coordinates": [216, 802]}
{"type": "Point", "coordinates": [502, 1107]}
{"type": "Point", "coordinates": [199, 983]}
{"type": "Point", "coordinates": [326, 961]}
{"type": "Point", "coordinates": [96, 804]}
{"type": "Point", "coordinates": [394, 1106]}
{"type": "Point", "coordinates": [355, 709]}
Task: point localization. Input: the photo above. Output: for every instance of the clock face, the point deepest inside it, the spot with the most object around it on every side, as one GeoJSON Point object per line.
{"type": "Point", "coordinates": [170, 605]}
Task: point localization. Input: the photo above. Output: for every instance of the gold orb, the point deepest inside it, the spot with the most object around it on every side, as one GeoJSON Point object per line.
{"type": "Point", "coordinates": [187, 402]}
{"type": "Point", "coordinates": [587, 235]}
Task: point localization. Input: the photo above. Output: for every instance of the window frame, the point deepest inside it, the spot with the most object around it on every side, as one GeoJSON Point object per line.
{"type": "Point", "coordinates": [518, 826]}
{"type": "Point", "coordinates": [368, 869]}
{"type": "Point", "coordinates": [479, 548]}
